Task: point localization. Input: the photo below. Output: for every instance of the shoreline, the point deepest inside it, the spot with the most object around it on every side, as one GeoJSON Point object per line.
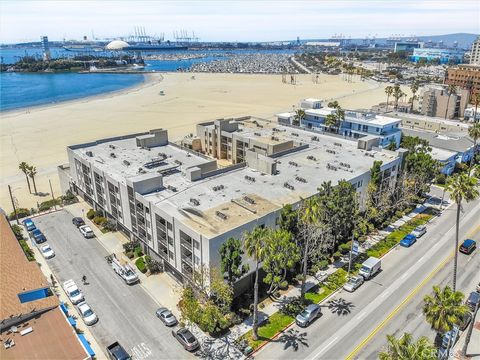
{"type": "Point", "coordinates": [149, 79]}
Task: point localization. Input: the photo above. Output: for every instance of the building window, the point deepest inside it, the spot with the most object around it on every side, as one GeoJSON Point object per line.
{"type": "Point", "coordinates": [196, 244]}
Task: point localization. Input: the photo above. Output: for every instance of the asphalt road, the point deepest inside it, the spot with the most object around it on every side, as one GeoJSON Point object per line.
{"type": "Point", "coordinates": [350, 318]}
{"type": "Point", "coordinates": [126, 313]}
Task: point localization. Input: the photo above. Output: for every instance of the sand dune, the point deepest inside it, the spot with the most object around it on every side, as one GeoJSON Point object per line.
{"type": "Point", "coordinates": [40, 135]}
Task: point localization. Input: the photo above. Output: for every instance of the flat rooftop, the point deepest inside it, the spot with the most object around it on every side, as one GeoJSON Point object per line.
{"type": "Point", "coordinates": [457, 142]}
{"type": "Point", "coordinates": [319, 157]}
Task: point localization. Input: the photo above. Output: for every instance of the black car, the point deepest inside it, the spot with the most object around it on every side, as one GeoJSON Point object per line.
{"type": "Point", "coordinates": [473, 300]}
{"type": "Point", "coordinates": [186, 338]}
{"type": "Point", "coordinates": [78, 221]}
{"type": "Point", "coordinates": [462, 325]}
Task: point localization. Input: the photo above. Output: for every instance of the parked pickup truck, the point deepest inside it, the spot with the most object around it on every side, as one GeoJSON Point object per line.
{"type": "Point", "coordinates": [73, 293]}
{"type": "Point", "coordinates": [125, 271]}
{"type": "Point", "coordinates": [370, 267]}
{"type": "Point", "coordinates": [115, 351]}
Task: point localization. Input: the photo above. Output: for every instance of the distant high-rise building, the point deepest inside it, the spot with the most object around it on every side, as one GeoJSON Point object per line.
{"type": "Point", "coordinates": [475, 52]}
{"type": "Point", "coordinates": [46, 48]}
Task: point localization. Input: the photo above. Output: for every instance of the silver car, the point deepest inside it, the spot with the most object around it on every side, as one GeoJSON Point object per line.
{"type": "Point", "coordinates": [419, 231]}
{"type": "Point", "coordinates": [166, 316]}
{"type": "Point", "coordinates": [353, 283]}
{"type": "Point", "coordinates": [310, 313]}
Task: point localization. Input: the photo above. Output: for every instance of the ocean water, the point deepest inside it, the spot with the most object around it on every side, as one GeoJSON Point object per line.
{"type": "Point", "coordinates": [21, 90]}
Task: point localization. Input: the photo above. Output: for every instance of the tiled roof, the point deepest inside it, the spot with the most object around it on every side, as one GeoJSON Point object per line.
{"type": "Point", "coordinates": [18, 275]}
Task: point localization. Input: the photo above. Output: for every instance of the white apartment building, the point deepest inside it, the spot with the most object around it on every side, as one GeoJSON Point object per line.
{"type": "Point", "coordinates": [475, 52]}
{"type": "Point", "coordinates": [183, 202]}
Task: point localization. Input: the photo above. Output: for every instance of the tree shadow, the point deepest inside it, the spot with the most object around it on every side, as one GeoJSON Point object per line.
{"type": "Point", "coordinates": [293, 338]}
{"type": "Point", "coordinates": [340, 306]}
{"type": "Point", "coordinates": [219, 349]}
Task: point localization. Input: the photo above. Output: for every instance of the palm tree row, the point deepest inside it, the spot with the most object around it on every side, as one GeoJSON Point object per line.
{"type": "Point", "coordinates": [30, 171]}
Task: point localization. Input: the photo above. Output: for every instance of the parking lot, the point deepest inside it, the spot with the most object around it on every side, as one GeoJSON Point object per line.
{"type": "Point", "coordinates": [126, 313]}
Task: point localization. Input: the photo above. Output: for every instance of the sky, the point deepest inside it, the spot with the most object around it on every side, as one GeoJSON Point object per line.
{"type": "Point", "coordinates": [229, 20]}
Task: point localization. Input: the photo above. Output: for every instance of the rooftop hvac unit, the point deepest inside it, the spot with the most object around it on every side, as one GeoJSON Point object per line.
{"type": "Point", "coordinates": [311, 157]}
{"type": "Point", "coordinates": [301, 179]}
{"type": "Point", "coordinates": [142, 171]}
{"type": "Point", "coordinates": [89, 153]}
{"type": "Point", "coordinates": [293, 163]}
{"type": "Point", "coordinates": [249, 200]}
{"type": "Point", "coordinates": [221, 215]}
{"type": "Point", "coordinates": [194, 202]}
{"type": "Point", "coordinates": [295, 134]}
{"type": "Point", "coordinates": [126, 162]}
{"type": "Point", "coordinates": [331, 151]}
{"type": "Point", "coordinates": [218, 187]}
{"type": "Point", "coordinates": [288, 186]}
{"type": "Point", "coordinates": [249, 178]}
{"type": "Point", "coordinates": [331, 167]}
{"type": "Point", "coordinates": [112, 155]}
{"type": "Point", "coordinates": [337, 144]}
{"type": "Point", "coordinates": [257, 134]}
{"type": "Point", "coordinates": [172, 188]}
{"type": "Point", "coordinates": [111, 146]}
{"type": "Point", "coordinates": [178, 162]}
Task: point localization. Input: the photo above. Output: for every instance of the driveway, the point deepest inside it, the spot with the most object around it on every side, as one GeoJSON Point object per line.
{"type": "Point", "coordinates": [126, 313]}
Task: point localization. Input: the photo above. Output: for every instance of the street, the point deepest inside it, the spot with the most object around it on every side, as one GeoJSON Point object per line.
{"type": "Point", "coordinates": [351, 320]}
{"type": "Point", "coordinates": [126, 313]}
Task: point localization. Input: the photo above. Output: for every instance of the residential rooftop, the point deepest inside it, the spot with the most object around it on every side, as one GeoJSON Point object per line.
{"type": "Point", "coordinates": [457, 142]}
{"type": "Point", "coordinates": [237, 194]}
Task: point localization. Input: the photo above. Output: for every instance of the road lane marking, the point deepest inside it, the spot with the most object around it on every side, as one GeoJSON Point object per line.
{"type": "Point", "coordinates": [407, 299]}
{"type": "Point", "coordinates": [361, 315]}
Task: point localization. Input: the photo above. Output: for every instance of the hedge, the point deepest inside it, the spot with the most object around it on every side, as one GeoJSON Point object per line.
{"type": "Point", "coordinates": [26, 249]}
{"type": "Point", "coordinates": [140, 263]}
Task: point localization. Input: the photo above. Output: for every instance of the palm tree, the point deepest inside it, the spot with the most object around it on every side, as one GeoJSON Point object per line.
{"type": "Point", "coordinates": [451, 90]}
{"type": "Point", "coordinates": [406, 349]}
{"type": "Point", "coordinates": [414, 88]}
{"type": "Point", "coordinates": [389, 92]}
{"type": "Point", "coordinates": [444, 308]}
{"type": "Point", "coordinates": [298, 117]}
{"type": "Point", "coordinates": [461, 187]}
{"type": "Point", "coordinates": [32, 171]}
{"type": "Point", "coordinates": [24, 167]}
{"type": "Point", "coordinates": [254, 247]}
{"type": "Point", "coordinates": [474, 133]}
{"type": "Point", "coordinates": [309, 215]}
{"type": "Point", "coordinates": [330, 121]}
{"type": "Point", "coordinates": [476, 101]}
{"type": "Point", "coordinates": [397, 94]}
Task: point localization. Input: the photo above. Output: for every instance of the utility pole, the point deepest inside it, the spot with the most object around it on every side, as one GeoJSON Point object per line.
{"type": "Point", "coordinates": [350, 259]}
{"type": "Point", "coordinates": [13, 204]}
{"type": "Point", "coordinates": [53, 196]}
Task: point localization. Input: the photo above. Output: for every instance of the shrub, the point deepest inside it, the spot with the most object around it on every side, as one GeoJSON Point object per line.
{"type": "Point", "coordinates": [130, 246]}
{"type": "Point", "coordinates": [17, 230]}
{"type": "Point", "coordinates": [110, 225]}
{"type": "Point", "coordinates": [26, 249]}
{"type": "Point", "coordinates": [69, 198]}
{"type": "Point", "coordinates": [47, 205]}
{"type": "Point", "coordinates": [90, 214]}
{"type": "Point", "coordinates": [21, 213]}
{"type": "Point", "coordinates": [153, 265]}
{"type": "Point", "coordinates": [293, 307]}
{"type": "Point", "coordinates": [344, 248]}
{"type": "Point", "coordinates": [140, 264]}
{"type": "Point", "coordinates": [441, 179]}
{"type": "Point", "coordinates": [284, 285]}
{"type": "Point", "coordinates": [138, 251]}
{"type": "Point", "coordinates": [130, 254]}
{"type": "Point", "coordinates": [99, 213]}
{"type": "Point", "coordinates": [337, 255]}
{"type": "Point", "coordinates": [100, 220]}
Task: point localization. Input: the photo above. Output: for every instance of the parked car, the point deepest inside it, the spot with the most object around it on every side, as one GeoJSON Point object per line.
{"type": "Point", "coordinates": [419, 231]}
{"type": "Point", "coordinates": [116, 351]}
{"type": "Point", "coordinates": [465, 320]}
{"type": "Point", "coordinates": [310, 313]}
{"type": "Point", "coordinates": [73, 293]}
{"type": "Point", "coordinates": [38, 236]}
{"type": "Point", "coordinates": [370, 267]}
{"type": "Point", "coordinates": [186, 338]}
{"type": "Point", "coordinates": [408, 240]}
{"type": "Point", "coordinates": [353, 283]}
{"type": "Point", "coordinates": [166, 316]}
{"type": "Point", "coordinates": [78, 221]}
{"type": "Point", "coordinates": [449, 339]}
{"type": "Point", "coordinates": [473, 300]}
{"type": "Point", "coordinates": [47, 251]}
{"type": "Point", "coordinates": [468, 246]}
{"type": "Point", "coordinates": [29, 224]}
{"type": "Point", "coordinates": [86, 231]}
{"type": "Point", "coordinates": [87, 314]}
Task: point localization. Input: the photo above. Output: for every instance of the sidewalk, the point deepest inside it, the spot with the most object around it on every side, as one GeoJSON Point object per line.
{"type": "Point", "coordinates": [473, 350]}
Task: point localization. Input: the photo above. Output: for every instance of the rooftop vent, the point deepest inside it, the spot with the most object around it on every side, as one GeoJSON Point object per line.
{"type": "Point", "coordinates": [142, 171]}
{"type": "Point", "coordinates": [275, 129]}
{"type": "Point", "coordinates": [221, 215]}
{"type": "Point", "coordinates": [345, 165]}
{"type": "Point", "coordinates": [89, 153]}
{"type": "Point", "coordinates": [337, 144]}
{"type": "Point", "coordinates": [294, 134]}
{"type": "Point", "coordinates": [368, 154]}
{"type": "Point", "coordinates": [315, 138]}
{"type": "Point", "coordinates": [155, 163]}
{"type": "Point", "coordinates": [218, 187]}
{"type": "Point", "coordinates": [274, 138]}
{"type": "Point", "coordinates": [249, 178]}
{"type": "Point", "coordinates": [257, 134]}
{"type": "Point", "coordinates": [288, 186]}
{"type": "Point", "coordinates": [194, 202]}
{"type": "Point", "coordinates": [111, 146]}
{"type": "Point", "coordinates": [301, 179]}
{"type": "Point", "coordinates": [112, 155]}
{"type": "Point", "coordinates": [249, 200]}
{"type": "Point", "coordinates": [172, 188]}
{"type": "Point", "coordinates": [178, 162]}
{"type": "Point", "coordinates": [331, 167]}
{"type": "Point", "coordinates": [311, 157]}
{"type": "Point", "coordinates": [331, 151]}
{"type": "Point", "coordinates": [126, 162]}
{"type": "Point", "coordinates": [293, 163]}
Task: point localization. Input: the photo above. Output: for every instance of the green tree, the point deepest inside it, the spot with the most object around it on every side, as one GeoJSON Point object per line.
{"type": "Point", "coordinates": [189, 306]}
{"type": "Point", "coordinates": [330, 121]}
{"type": "Point", "coordinates": [254, 243]}
{"type": "Point", "coordinates": [281, 255]}
{"type": "Point", "coordinates": [397, 94]}
{"type": "Point", "coordinates": [474, 133]}
{"type": "Point", "coordinates": [406, 348]}
{"type": "Point", "coordinates": [451, 90]}
{"type": "Point", "coordinates": [24, 167]}
{"type": "Point", "coordinates": [476, 101]}
{"type": "Point", "coordinates": [444, 308]}
{"type": "Point", "coordinates": [289, 220]}
{"type": "Point", "coordinates": [220, 292]}
{"type": "Point", "coordinates": [389, 92]}
{"type": "Point", "coordinates": [298, 117]}
{"type": "Point", "coordinates": [461, 188]}
{"type": "Point", "coordinates": [413, 143]}
{"type": "Point", "coordinates": [231, 260]}
{"type": "Point", "coordinates": [414, 88]}
{"type": "Point", "coordinates": [32, 172]}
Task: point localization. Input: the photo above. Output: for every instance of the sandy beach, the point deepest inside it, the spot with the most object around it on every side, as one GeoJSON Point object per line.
{"type": "Point", "coordinates": [40, 135]}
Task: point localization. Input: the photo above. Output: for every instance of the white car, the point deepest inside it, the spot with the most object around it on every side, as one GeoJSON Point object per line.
{"type": "Point", "coordinates": [73, 293]}
{"type": "Point", "coordinates": [353, 283]}
{"type": "Point", "coordinates": [419, 231]}
{"type": "Point", "coordinates": [87, 314]}
{"type": "Point", "coordinates": [47, 251]}
{"type": "Point", "coordinates": [86, 231]}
